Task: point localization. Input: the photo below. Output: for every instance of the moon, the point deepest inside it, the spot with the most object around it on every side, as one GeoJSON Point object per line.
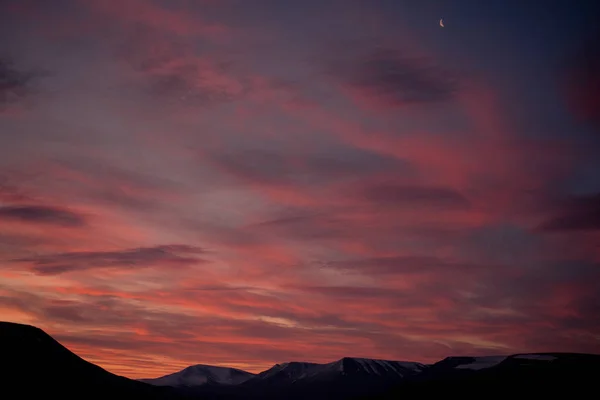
{"type": "Point", "coordinates": [442, 22]}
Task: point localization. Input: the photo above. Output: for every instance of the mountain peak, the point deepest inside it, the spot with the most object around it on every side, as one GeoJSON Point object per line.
{"type": "Point", "coordinates": [342, 368]}
{"type": "Point", "coordinates": [22, 332]}
{"type": "Point", "coordinates": [292, 370]}
{"type": "Point", "coordinates": [200, 374]}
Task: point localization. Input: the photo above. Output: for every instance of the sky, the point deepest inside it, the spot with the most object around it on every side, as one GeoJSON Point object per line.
{"type": "Point", "coordinates": [244, 183]}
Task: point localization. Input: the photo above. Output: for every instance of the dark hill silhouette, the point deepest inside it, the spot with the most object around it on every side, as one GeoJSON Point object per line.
{"type": "Point", "coordinates": [35, 366]}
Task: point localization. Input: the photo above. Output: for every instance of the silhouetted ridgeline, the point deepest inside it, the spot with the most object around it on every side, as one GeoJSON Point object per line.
{"type": "Point", "coordinates": [35, 366]}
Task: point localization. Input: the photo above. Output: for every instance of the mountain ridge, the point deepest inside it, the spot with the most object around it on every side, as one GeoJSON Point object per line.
{"type": "Point", "coordinates": [200, 374]}
{"type": "Point", "coordinates": [26, 349]}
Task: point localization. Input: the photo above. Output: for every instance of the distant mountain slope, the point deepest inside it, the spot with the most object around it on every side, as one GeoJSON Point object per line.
{"type": "Point", "coordinates": [344, 378]}
{"type": "Point", "coordinates": [360, 368]}
{"type": "Point", "coordinates": [520, 375]}
{"type": "Point", "coordinates": [287, 372]}
{"type": "Point", "coordinates": [34, 365]}
{"type": "Point", "coordinates": [197, 375]}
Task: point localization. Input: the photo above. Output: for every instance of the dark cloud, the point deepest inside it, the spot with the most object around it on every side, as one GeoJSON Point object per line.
{"type": "Point", "coordinates": [402, 265]}
{"type": "Point", "coordinates": [55, 264]}
{"type": "Point", "coordinates": [15, 85]}
{"type": "Point", "coordinates": [285, 167]}
{"type": "Point", "coordinates": [355, 292]}
{"type": "Point", "coordinates": [180, 84]}
{"type": "Point", "coordinates": [320, 225]}
{"type": "Point", "coordinates": [257, 166]}
{"type": "Point", "coordinates": [41, 215]}
{"type": "Point", "coordinates": [18, 242]}
{"type": "Point", "coordinates": [108, 183]}
{"type": "Point", "coordinates": [394, 194]}
{"type": "Point", "coordinates": [11, 192]}
{"type": "Point", "coordinates": [293, 221]}
{"type": "Point", "coordinates": [583, 80]}
{"type": "Point", "coordinates": [390, 77]}
{"type": "Point", "coordinates": [578, 214]}
{"type": "Point", "coordinates": [171, 71]}
{"type": "Point", "coordinates": [64, 311]}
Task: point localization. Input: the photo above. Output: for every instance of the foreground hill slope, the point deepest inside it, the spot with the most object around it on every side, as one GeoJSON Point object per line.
{"type": "Point", "coordinates": [34, 365]}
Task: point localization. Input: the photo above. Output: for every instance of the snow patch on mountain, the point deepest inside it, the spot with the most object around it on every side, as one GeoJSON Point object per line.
{"type": "Point", "coordinates": [539, 357]}
{"type": "Point", "coordinates": [295, 371]}
{"type": "Point", "coordinates": [378, 367]}
{"type": "Point", "coordinates": [482, 362]}
{"type": "Point", "coordinates": [198, 375]}
{"type": "Point", "coordinates": [290, 370]}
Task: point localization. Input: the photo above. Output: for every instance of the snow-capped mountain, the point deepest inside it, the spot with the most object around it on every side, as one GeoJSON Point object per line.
{"type": "Point", "coordinates": [486, 362]}
{"type": "Point", "coordinates": [289, 371]}
{"type": "Point", "coordinates": [477, 363]}
{"type": "Point", "coordinates": [347, 368]}
{"type": "Point", "coordinates": [536, 357]}
{"type": "Point", "coordinates": [197, 375]}
{"type": "Point", "coordinates": [383, 368]}
{"type": "Point", "coordinates": [357, 369]}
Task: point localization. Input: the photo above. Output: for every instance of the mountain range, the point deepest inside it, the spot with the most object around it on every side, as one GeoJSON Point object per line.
{"type": "Point", "coordinates": [34, 365]}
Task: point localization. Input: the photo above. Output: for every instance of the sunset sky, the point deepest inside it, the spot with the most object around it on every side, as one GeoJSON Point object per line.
{"type": "Point", "coordinates": [250, 182]}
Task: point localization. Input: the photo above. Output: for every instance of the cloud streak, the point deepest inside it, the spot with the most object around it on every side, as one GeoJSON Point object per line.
{"type": "Point", "coordinates": [392, 79]}
{"type": "Point", "coordinates": [15, 85]}
{"type": "Point", "coordinates": [583, 80]}
{"type": "Point", "coordinates": [167, 255]}
{"type": "Point", "coordinates": [41, 215]}
{"type": "Point", "coordinates": [578, 214]}
{"type": "Point", "coordinates": [392, 194]}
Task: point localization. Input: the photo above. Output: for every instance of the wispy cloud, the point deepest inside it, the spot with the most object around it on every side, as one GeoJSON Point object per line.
{"type": "Point", "coordinates": [400, 265]}
{"type": "Point", "coordinates": [41, 215]}
{"type": "Point", "coordinates": [399, 195]}
{"type": "Point", "coordinates": [15, 84]}
{"type": "Point", "coordinates": [168, 255]}
{"type": "Point", "coordinates": [157, 16]}
{"type": "Point", "coordinates": [390, 78]}
{"type": "Point", "coordinates": [581, 213]}
{"type": "Point", "coordinates": [583, 80]}
{"type": "Point", "coordinates": [179, 75]}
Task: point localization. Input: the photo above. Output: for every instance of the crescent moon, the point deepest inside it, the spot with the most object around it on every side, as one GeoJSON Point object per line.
{"type": "Point", "coordinates": [442, 22]}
